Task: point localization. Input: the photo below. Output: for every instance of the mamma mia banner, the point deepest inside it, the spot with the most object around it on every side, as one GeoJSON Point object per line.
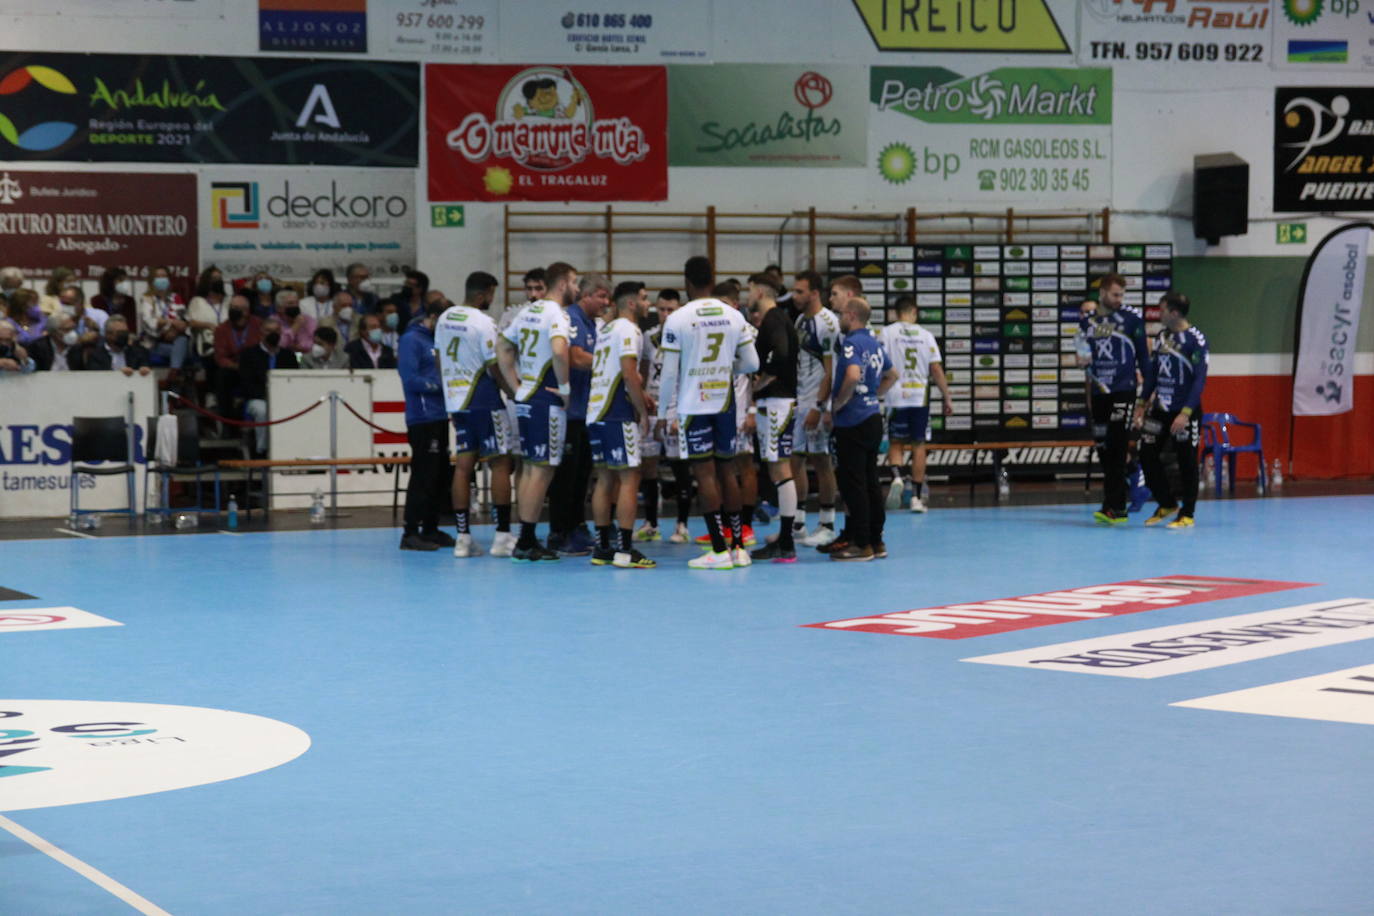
{"type": "Point", "coordinates": [1328, 323]}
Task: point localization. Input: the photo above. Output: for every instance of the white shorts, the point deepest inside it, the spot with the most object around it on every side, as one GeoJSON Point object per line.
{"type": "Point", "coordinates": [809, 441]}
{"type": "Point", "coordinates": [775, 428]}
{"type": "Point", "coordinates": [514, 439]}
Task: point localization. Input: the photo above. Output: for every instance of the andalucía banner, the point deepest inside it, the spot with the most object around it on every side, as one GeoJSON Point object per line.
{"type": "Point", "coordinates": [504, 133]}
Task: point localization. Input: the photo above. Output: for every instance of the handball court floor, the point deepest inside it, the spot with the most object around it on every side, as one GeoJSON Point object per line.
{"type": "Point", "coordinates": [486, 737]}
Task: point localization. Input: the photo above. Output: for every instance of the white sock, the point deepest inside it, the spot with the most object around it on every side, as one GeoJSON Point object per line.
{"type": "Point", "coordinates": [828, 516]}
{"type": "Point", "coordinates": [787, 500]}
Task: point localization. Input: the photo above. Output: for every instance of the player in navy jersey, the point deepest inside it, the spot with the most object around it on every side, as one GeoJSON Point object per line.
{"type": "Point", "coordinates": [1170, 408]}
{"type": "Point", "coordinates": [1111, 349]}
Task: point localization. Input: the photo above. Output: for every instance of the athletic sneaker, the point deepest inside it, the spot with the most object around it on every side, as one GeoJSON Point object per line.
{"type": "Point", "coordinates": [880, 551]}
{"type": "Point", "coordinates": [894, 493]}
{"type": "Point", "coordinates": [712, 560]}
{"type": "Point", "coordinates": [632, 560]}
{"type": "Point", "coordinates": [579, 543]}
{"type": "Point", "coordinates": [438, 538]}
{"type": "Point", "coordinates": [740, 557]}
{"type": "Point", "coordinates": [603, 556]}
{"type": "Point", "coordinates": [1183, 521]}
{"type": "Point", "coordinates": [466, 547]}
{"type": "Point", "coordinates": [799, 534]}
{"type": "Point", "coordinates": [1160, 515]}
{"type": "Point", "coordinates": [819, 538]}
{"type": "Point", "coordinates": [764, 512]}
{"type": "Point", "coordinates": [1109, 517]}
{"type": "Point", "coordinates": [503, 545]}
{"type": "Point", "coordinates": [774, 553]}
{"type": "Point", "coordinates": [537, 553]}
{"type": "Point", "coordinates": [853, 553]}
{"type": "Point", "coordinates": [840, 543]}
{"type": "Point", "coordinates": [746, 531]}
{"type": "Point", "coordinates": [681, 535]}
{"type": "Point", "coordinates": [917, 504]}
{"type": "Point", "coordinates": [415, 542]}
{"type": "Point", "coordinates": [647, 532]}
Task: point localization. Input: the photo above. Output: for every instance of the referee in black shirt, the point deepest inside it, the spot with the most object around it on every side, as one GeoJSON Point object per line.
{"type": "Point", "coordinates": [775, 398]}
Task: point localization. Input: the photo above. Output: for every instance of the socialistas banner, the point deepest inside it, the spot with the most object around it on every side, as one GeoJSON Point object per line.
{"type": "Point", "coordinates": [503, 133]}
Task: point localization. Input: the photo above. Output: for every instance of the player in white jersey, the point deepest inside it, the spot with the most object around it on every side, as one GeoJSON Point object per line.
{"type": "Point", "coordinates": [534, 359]}
{"type": "Point", "coordinates": [654, 444]}
{"type": "Point", "coordinates": [916, 357]}
{"type": "Point", "coordinates": [465, 340]}
{"type": "Point", "coordinates": [818, 332]}
{"type": "Point", "coordinates": [534, 291]}
{"type": "Point", "coordinates": [706, 344]}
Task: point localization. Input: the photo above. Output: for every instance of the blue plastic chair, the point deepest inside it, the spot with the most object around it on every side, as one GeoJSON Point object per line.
{"type": "Point", "coordinates": [1216, 441]}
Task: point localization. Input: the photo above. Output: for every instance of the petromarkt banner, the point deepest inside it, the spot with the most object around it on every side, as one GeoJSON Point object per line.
{"type": "Point", "coordinates": [291, 222]}
{"type": "Point", "coordinates": [503, 133]}
{"type": "Point", "coordinates": [1014, 135]}
{"type": "Point", "coordinates": [161, 108]}
{"type": "Point", "coordinates": [767, 115]}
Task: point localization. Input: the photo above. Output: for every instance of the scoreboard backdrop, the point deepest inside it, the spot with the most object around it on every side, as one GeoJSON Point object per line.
{"type": "Point", "coordinates": [1005, 317]}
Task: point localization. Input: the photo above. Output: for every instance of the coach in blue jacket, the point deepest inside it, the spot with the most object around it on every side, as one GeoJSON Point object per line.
{"type": "Point", "coordinates": [427, 430]}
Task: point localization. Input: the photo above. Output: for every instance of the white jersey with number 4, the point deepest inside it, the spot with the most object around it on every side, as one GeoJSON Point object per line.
{"type": "Point", "coordinates": [912, 349]}
{"type": "Point", "coordinates": [532, 334]}
{"type": "Point", "coordinates": [707, 335]}
{"type": "Point", "coordinates": [466, 340]}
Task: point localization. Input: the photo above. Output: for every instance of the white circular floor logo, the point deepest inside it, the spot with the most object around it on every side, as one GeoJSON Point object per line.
{"type": "Point", "coordinates": [63, 752]}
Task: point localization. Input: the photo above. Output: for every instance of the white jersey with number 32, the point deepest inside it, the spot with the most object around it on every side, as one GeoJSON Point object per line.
{"type": "Point", "coordinates": [532, 334]}
{"type": "Point", "coordinates": [706, 333]}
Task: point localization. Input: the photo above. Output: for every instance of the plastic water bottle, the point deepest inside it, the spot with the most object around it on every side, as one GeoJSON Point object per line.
{"type": "Point", "coordinates": [317, 509]}
{"type": "Point", "coordinates": [1276, 476]}
{"type": "Point", "coordinates": [1205, 481]}
{"type": "Point", "coordinates": [233, 520]}
{"type": "Point", "coordinates": [1225, 478]}
{"type": "Point", "coordinates": [1003, 484]}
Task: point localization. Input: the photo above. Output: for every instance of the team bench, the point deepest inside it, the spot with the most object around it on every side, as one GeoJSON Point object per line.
{"type": "Point", "coordinates": [268, 465]}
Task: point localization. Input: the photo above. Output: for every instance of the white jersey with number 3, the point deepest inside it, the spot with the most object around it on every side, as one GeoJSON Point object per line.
{"type": "Point", "coordinates": [532, 334]}
{"type": "Point", "coordinates": [466, 341]}
{"type": "Point", "coordinates": [912, 349]}
{"type": "Point", "coordinates": [707, 335]}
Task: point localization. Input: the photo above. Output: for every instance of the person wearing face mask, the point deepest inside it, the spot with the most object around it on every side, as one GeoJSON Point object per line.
{"type": "Point", "coordinates": [116, 296]}
{"type": "Point", "coordinates": [11, 279]}
{"type": "Point", "coordinates": [207, 310]}
{"type": "Point", "coordinates": [117, 350]}
{"type": "Point", "coordinates": [360, 288]}
{"type": "Point", "coordinates": [342, 318]}
{"type": "Point", "coordinates": [368, 351]}
{"type": "Point", "coordinates": [90, 321]}
{"type": "Point", "coordinates": [392, 326]}
{"type": "Point", "coordinates": [326, 352]}
{"type": "Point", "coordinates": [61, 277]}
{"type": "Point", "coordinates": [14, 357]}
{"type": "Point", "coordinates": [254, 365]}
{"type": "Point", "coordinates": [21, 312]}
{"type": "Point", "coordinates": [319, 301]}
{"type": "Point", "coordinates": [50, 351]}
{"type": "Point", "coordinates": [262, 294]}
{"type": "Point", "coordinates": [297, 328]}
{"type": "Point", "coordinates": [239, 331]}
{"type": "Point", "coordinates": [162, 321]}
{"type": "Point", "coordinates": [410, 300]}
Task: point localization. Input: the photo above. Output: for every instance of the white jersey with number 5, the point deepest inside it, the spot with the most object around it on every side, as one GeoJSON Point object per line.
{"type": "Point", "coordinates": [707, 335]}
{"type": "Point", "coordinates": [466, 341]}
{"type": "Point", "coordinates": [912, 349]}
{"type": "Point", "coordinates": [532, 334]}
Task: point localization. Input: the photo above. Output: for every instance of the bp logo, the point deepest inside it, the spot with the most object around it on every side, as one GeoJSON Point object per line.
{"type": "Point", "coordinates": [1302, 12]}
{"type": "Point", "coordinates": [65, 752]}
{"type": "Point", "coordinates": [48, 134]}
{"type": "Point", "coordinates": [897, 163]}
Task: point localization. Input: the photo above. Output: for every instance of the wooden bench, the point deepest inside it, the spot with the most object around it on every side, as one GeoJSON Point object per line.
{"type": "Point", "coordinates": [999, 450]}
{"type": "Point", "coordinates": [268, 465]}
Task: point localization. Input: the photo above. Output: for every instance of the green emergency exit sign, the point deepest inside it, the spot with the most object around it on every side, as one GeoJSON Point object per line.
{"type": "Point", "coordinates": [1292, 233]}
{"type": "Point", "coordinates": [445, 216]}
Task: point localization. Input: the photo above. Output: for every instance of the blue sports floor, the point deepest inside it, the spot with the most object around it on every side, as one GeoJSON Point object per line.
{"type": "Point", "coordinates": [492, 738]}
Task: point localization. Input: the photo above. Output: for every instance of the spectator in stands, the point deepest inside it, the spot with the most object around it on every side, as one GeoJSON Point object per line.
{"type": "Point", "coordinates": [50, 351]}
{"type": "Point", "coordinates": [319, 303]}
{"type": "Point", "coordinates": [254, 365]}
{"type": "Point", "coordinates": [117, 350]}
{"type": "Point", "coordinates": [343, 318]}
{"type": "Point", "coordinates": [240, 331]}
{"type": "Point", "coordinates": [116, 296]}
{"type": "Point", "coordinates": [360, 288]}
{"type": "Point", "coordinates": [427, 429]}
{"type": "Point", "coordinates": [392, 325]}
{"type": "Point", "coordinates": [11, 279]}
{"type": "Point", "coordinates": [326, 352]}
{"type": "Point", "coordinates": [207, 310]}
{"type": "Point", "coordinates": [22, 313]}
{"type": "Point", "coordinates": [61, 278]}
{"type": "Point", "coordinates": [410, 301]}
{"type": "Point", "coordinates": [367, 351]}
{"type": "Point", "coordinates": [262, 294]}
{"type": "Point", "coordinates": [162, 326]}
{"type": "Point", "coordinates": [14, 357]}
{"type": "Point", "coordinates": [297, 328]}
{"type": "Point", "coordinates": [89, 319]}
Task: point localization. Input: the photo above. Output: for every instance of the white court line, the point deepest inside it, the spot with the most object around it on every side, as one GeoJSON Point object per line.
{"type": "Point", "coordinates": [237, 534]}
{"type": "Point", "coordinates": [92, 874]}
{"type": "Point", "coordinates": [76, 534]}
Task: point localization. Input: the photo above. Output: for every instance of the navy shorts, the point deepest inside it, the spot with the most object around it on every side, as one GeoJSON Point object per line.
{"type": "Point", "coordinates": [909, 425]}
{"type": "Point", "coordinates": [710, 435]}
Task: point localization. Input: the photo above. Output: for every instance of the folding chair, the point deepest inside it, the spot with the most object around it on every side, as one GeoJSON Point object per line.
{"type": "Point", "coordinates": [187, 467]}
{"type": "Point", "coordinates": [102, 439]}
{"type": "Point", "coordinates": [1216, 441]}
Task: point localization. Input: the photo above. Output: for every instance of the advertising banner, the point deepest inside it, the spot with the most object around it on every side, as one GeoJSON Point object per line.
{"type": "Point", "coordinates": [643, 32]}
{"type": "Point", "coordinates": [546, 133]}
{"type": "Point", "coordinates": [116, 9]}
{"type": "Point", "coordinates": [767, 115]}
{"type": "Point", "coordinates": [1324, 35]}
{"type": "Point", "coordinates": [1329, 323]}
{"type": "Point", "coordinates": [1323, 149]}
{"type": "Point", "coordinates": [421, 28]}
{"type": "Point", "coordinates": [1014, 135]}
{"type": "Point", "coordinates": [1178, 37]}
{"type": "Point", "coordinates": [291, 222]}
{"type": "Point", "coordinates": [89, 221]}
{"type": "Point", "coordinates": [157, 108]}
{"type": "Point", "coordinates": [973, 26]}
{"type": "Point", "coordinates": [312, 25]}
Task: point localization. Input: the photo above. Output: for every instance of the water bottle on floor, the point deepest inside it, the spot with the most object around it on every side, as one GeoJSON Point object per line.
{"type": "Point", "coordinates": [317, 509]}
{"type": "Point", "coordinates": [1003, 484]}
{"type": "Point", "coordinates": [1276, 477]}
{"type": "Point", "coordinates": [233, 521]}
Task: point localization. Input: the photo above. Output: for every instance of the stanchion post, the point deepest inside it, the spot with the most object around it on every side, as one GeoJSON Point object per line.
{"type": "Point", "coordinates": [333, 453]}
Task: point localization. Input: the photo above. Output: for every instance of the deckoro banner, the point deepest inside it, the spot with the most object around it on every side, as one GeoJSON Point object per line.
{"type": "Point", "coordinates": [157, 108]}
{"type": "Point", "coordinates": [1329, 322]}
{"type": "Point", "coordinates": [767, 115]}
{"type": "Point", "coordinates": [1008, 136]}
{"type": "Point", "coordinates": [546, 133]}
